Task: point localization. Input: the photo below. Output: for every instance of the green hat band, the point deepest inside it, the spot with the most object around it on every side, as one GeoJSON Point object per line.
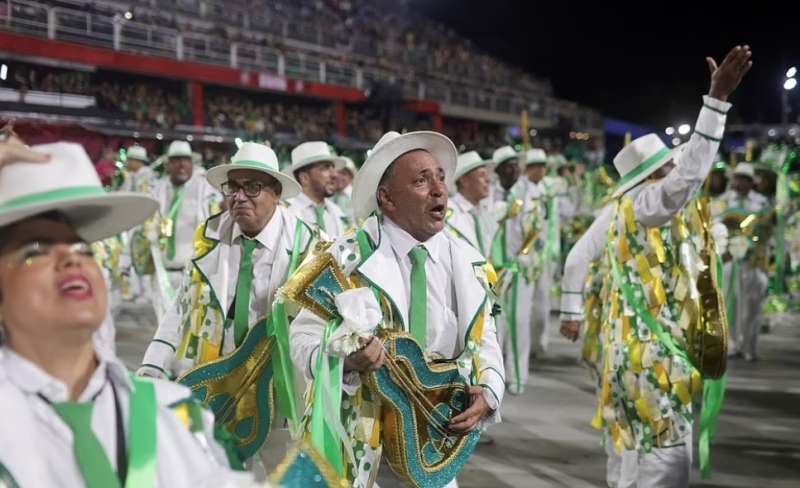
{"type": "Point", "coordinates": [52, 195]}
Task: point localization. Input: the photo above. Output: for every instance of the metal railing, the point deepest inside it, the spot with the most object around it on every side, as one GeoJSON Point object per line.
{"type": "Point", "coordinates": [313, 62]}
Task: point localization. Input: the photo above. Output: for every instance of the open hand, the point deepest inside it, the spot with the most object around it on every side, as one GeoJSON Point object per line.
{"type": "Point", "coordinates": [369, 358]}
{"type": "Point", "coordinates": [471, 417]}
{"type": "Point", "coordinates": [570, 329]}
{"type": "Point", "coordinates": [13, 150]}
{"type": "Point", "coordinates": [726, 76]}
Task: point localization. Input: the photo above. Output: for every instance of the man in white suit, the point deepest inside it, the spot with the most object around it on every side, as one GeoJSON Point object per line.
{"type": "Point", "coordinates": [435, 281]}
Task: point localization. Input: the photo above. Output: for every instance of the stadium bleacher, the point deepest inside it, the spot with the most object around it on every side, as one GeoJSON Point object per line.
{"type": "Point", "coordinates": [345, 50]}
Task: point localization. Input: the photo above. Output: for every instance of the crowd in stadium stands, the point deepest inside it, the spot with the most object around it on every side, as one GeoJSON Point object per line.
{"type": "Point", "coordinates": [149, 103]}
{"type": "Point", "coordinates": [146, 103]}
{"type": "Point", "coordinates": [386, 32]}
{"type": "Point", "coordinates": [248, 113]}
{"type": "Point", "coordinates": [156, 105]}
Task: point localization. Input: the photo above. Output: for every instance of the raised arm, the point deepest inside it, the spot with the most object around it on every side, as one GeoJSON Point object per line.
{"type": "Point", "coordinates": [657, 203]}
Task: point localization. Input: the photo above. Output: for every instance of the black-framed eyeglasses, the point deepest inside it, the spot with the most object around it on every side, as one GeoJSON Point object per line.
{"type": "Point", "coordinates": [251, 188]}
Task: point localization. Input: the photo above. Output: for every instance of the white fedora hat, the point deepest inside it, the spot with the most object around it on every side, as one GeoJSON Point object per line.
{"type": "Point", "coordinates": [179, 149]}
{"type": "Point", "coordinates": [343, 162]}
{"type": "Point", "coordinates": [466, 163]}
{"type": "Point", "coordinates": [312, 152]}
{"type": "Point", "coordinates": [69, 184]}
{"type": "Point", "coordinates": [557, 161]}
{"type": "Point", "coordinates": [258, 157]}
{"type": "Point", "coordinates": [745, 169]}
{"type": "Point", "coordinates": [137, 152]}
{"type": "Point", "coordinates": [535, 156]}
{"type": "Point", "coordinates": [503, 154]}
{"type": "Point", "coordinates": [390, 147]}
{"type": "Point", "coordinates": [639, 159]}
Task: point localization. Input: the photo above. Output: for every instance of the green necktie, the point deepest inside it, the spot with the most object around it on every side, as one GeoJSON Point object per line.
{"type": "Point", "coordinates": [174, 208]}
{"type": "Point", "coordinates": [478, 233]}
{"type": "Point", "coordinates": [320, 211]}
{"type": "Point", "coordinates": [243, 286]}
{"type": "Point", "coordinates": [419, 296]}
{"type": "Point", "coordinates": [92, 458]}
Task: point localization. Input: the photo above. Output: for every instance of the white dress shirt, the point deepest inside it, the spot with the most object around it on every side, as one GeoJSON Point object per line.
{"type": "Point", "coordinates": [443, 331]}
{"type": "Point", "coordinates": [36, 445]}
{"type": "Point", "coordinates": [262, 290]}
{"type": "Point", "coordinates": [654, 204]}
{"type": "Point", "coordinates": [304, 208]}
{"type": "Point", "coordinates": [441, 343]}
{"type": "Point", "coordinates": [221, 267]}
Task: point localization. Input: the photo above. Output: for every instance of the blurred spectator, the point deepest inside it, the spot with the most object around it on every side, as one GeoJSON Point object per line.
{"type": "Point", "coordinates": [106, 167]}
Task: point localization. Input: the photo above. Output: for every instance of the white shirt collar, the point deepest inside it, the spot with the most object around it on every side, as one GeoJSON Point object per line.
{"type": "Point", "coordinates": [30, 378]}
{"type": "Point", "coordinates": [540, 185]}
{"type": "Point", "coordinates": [269, 234]}
{"type": "Point", "coordinates": [402, 242]}
{"type": "Point", "coordinates": [464, 204]}
{"type": "Point", "coordinates": [306, 201]}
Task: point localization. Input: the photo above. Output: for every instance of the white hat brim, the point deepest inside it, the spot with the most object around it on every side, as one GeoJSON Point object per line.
{"type": "Point", "coordinates": [218, 175]}
{"type": "Point", "coordinates": [94, 217]}
{"type": "Point", "coordinates": [338, 162]}
{"type": "Point", "coordinates": [622, 189]}
{"type": "Point", "coordinates": [365, 184]}
{"type": "Point", "coordinates": [466, 169]}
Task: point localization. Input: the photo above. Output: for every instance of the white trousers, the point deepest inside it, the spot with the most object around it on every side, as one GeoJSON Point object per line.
{"type": "Point", "coordinates": [660, 468]}
{"type": "Point", "coordinates": [752, 291]}
{"type": "Point", "coordinates": [540, 314]}
{"type": "Point", "coordinates": [613, 462]}
{"type": "Point", "coordinates": [520, 362]}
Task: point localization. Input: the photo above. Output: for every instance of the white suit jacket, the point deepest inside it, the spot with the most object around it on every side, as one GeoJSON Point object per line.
{"type": "Point", "coordinates": [381, 269]}
{"type": "Point", "coordinates": [461, 221]}
{"type": "Point", "coordinates": [198, 199]}
{"type": "Point", "coordinates": [215, 268]}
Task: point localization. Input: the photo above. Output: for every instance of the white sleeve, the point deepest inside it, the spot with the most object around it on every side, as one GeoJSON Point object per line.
{"type": "Point", "coordinates": [161, 350]}
{"type": "Point", "coordinates": [160, 353]}
{"type": "Point", "coordinates": [588, 248]}
{"type": "Point", "coordinates": [566, 208]}
{"type": "Point", "coordinates": [492, 374]}
{"type": "Point", "coordinates": [305, 336]}
{"type": "Point", "coordinates": [656, 204]}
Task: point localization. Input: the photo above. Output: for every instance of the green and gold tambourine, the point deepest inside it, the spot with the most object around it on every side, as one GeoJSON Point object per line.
{"type": "Point", "coordinates": [239, 389]}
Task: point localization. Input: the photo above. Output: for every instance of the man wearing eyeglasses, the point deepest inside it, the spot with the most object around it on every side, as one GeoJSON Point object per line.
{"type": "Point", "coordinates": [241, 258]}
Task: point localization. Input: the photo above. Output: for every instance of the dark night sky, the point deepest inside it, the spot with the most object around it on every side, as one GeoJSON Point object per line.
{"type": "Point", "coordinates": [643, 62]}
